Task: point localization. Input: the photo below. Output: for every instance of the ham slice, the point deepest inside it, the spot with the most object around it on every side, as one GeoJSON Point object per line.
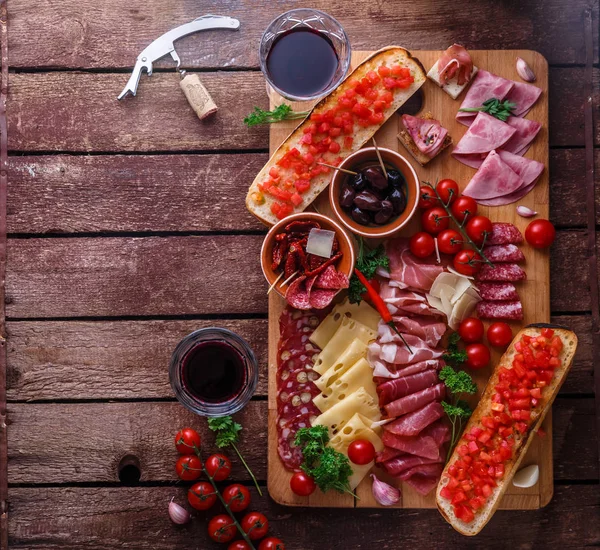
{"type": "Point", "coordinates": [428, 134]}
{"type": "Point", "coordinates": [413, 423]}
{"type": "Point", "coordinates": [526, 130]}
{"type": "Point", "coordinates": [523, 96]}
{"type": "Point", "coordinates": [485, 86]}
{"type": "Point", "coordinates": [420, 445]}
{"type": "Point", "coordinates": [484, 135]}
{"type": "Point", "coordinates": [387, 454]}
{"type": "Point", "coordinates": [424, 484]}
{"type": "Point", "coordinates": [410, 270]}
{"type": "Point", "coordinates": [429, 330]}
{"type": "Point", "coordinates": [398, 354]}
{"type": "Point", "coordinates": [427, 470]}
{"type": "Point", "coordinates": [415, 401]}
{"type": "Point", "coordinates": [400, 387]}
{"type": "Point", "coordinates": [403, 462]}
{"type": "Point", "coordinates": [494, 179]}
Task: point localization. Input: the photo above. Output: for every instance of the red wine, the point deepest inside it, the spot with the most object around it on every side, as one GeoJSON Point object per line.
{"type": "Point", "coordinates": [213, 372]}
{"type": "Point", "coordinates": [302, 62]}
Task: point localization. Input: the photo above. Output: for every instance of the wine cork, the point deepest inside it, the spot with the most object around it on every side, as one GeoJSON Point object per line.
{"type": "Point", "coordinates": [197, 96]}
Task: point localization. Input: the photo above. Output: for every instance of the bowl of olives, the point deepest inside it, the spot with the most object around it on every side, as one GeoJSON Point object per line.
{"type": "Point", "coordinates": [372, 203]}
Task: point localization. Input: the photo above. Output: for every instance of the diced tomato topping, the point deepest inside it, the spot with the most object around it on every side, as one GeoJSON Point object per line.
{"type": "Point", "coordinates": [389, 83]}
{"type": "Point", "coordinates": [377, 118]}
{"type": "Point", "coordinates": [308, 158]}
{"type": "Point", "coordinates": [348, 142]}
{"type": "Point", "coordinates": [373, 77]}
{"type": "Point", "coordinates": [307, 139]}
{"type": "Point", "coordinates": [302, 185]}
{"type": "Point", "coordinates": [360, 110]}
{"type": "Point", "coordinates": [334, 147]}
{"type": "Point", "coordinates": [296, 199]}
{"type": "Point", "coordinates": [383, 70]}
{"type": "Point", "coordinates": [335, 131]}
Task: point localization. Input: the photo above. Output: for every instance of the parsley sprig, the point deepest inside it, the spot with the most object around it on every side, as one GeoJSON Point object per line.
{"type": "Point", "coordinates": [494, 107]}
{"type": "Point", "coordinates": [227, 434]}
{"type": "Point", "coordinates": [367, 263]}
{"type": "Point", "coordinates": [283, 112]}
{"type": "Point", "coordinates": [454, 356]}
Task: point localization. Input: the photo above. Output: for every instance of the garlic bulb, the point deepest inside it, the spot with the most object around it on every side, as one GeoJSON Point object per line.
{"type": "Point", "coordinates": [527, 477]}
{"type": "Point", "coordinates": [524, 70]}
{"type": "Point", "coordinates": [178, 514]}
{"type": "Point", "coordinates": [384, 493]}
{"type": "Point", "coordinates": [526, 212]}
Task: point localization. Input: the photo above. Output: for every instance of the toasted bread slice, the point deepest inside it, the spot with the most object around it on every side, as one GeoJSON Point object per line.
{"type": "Point", "coordinates": [520, 449]}
{"type": "Point", "coordinates": [391, 55]}
{"type": "Point", "coordinates": [408, 142]}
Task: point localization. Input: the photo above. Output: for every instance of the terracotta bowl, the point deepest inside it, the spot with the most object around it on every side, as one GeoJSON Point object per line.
{"type": "Point", "coordinates": [345, 264]}
{"type": "Point", "coordinates": [368, 155]}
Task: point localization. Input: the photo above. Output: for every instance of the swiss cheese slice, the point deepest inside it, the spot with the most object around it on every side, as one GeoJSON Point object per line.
{"type": "Point", "coordinates": [360, 375]}
{"type": "Point", "coordinates": [351, 355]}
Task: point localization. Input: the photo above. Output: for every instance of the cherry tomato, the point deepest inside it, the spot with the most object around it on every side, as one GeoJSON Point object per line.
{"type": "Point", "coordinates": [271, 543]}
{"type": "Point", "coordinates": [467, 262]}
{"type": "Point", "coordinates": [188, 467]}
{"type": "Point", "coordinates": [450, 241]}
{"type": "Point", "coordinates": [422, 245]}
{"type": "Point", "coordinates": [471, 330]}
{"type": "Point", "coordinates": [221, 528]}
{"type": "Point", "coordinates": [201, 495]}
{"type": "Point", "coordinates": [239, 545]}
{"type": "Point", "coordinates": [427, 197]}
{"type": "Point", "coordinates": [478, 356]}
{"type": "Point", "coordinates": [255, 525]}
{"type": "Point", "coordinates": [218, 467]}
{"type": "Point", "coordinates": [302, 484]}
{"type": "Point", "coordinates": [435, 220]}
{"type": "Point", "coordinates": [187, 441]}
{"type": "Point", "coordinates": [361, 452]}
{"type": "Point", "coordinates": [540, 233]}
{"type": "Point", "coordinates": [463, 207]}
{"type": "Point", "coordinates": [499, 334]}
{"type": "Point", "coordinates": [478, 227]}
{"type": "Point", "coordinates": [237, 496]}
{"type": "Point", "coordinates": [447, 190]}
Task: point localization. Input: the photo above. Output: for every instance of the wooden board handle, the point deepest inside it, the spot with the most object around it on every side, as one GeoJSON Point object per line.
{"type": "Point", "coordinates": [197, 96]}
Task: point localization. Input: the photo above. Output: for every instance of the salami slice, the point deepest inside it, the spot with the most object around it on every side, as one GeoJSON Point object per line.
{"type": "Point", "coordinates": [504, 253]}
{"type": "Point", "coordinates": [504, 233]}
{"type": "Point", "coordinates": [526, 130]}
{"type": "Point", "coordinates": [501, 273]}
{"type": "Point", "coordinates": [298, 293]}
{"type": "Point", "coordinates": [485, 86]}
{"type": "Point", "coordinates": [512, 311]}
{"type": "Point", "coordinates": [498, 292]}
{"type": "Point", "coordinates": [523, 96]}
{"type": "Point", "coordinates": [331, 279]}
{"type": "Point", "coordinates": [290, 454]}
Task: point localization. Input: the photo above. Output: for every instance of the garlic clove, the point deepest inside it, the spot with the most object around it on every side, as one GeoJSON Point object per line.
{"type": "Point", "coordinates": [527, 477]}
{"type": "Point", "coordinates": [384, 493]}
{"type": "Point", "coordinates": [524, 70]}
{"type": "Point", "coordinates": [178, 514]}
{"type": "Point", "coordinates": [526, 212]}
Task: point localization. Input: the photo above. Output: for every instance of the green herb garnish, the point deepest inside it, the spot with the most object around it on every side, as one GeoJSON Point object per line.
{"type": "Point", "coordinates": [458, 414]}
{"type": "Point", "coordinates": [283, 112]}
{"type": "Point", "coordinates": [328, 468]}
{"type": "Point", "coordinates": [227, 434]}
{"type": "Point", "coordinates": [454, 356]}
{"type": "Point", "coordinates": [367, 263]}
{"type": "Point", "coordinates": [457, 381]}
{"type": "Point", "coordinates": [494, 107]}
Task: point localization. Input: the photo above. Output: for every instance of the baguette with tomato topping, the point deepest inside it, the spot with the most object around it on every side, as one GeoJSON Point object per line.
{"type": "Point", "coordinates": [512, 408]}
{"type": "Point", "coordinates": [339, 124]}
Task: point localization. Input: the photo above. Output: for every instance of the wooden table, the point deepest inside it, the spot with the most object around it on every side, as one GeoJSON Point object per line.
{"type": "Point", "coordinates": [127, 230]}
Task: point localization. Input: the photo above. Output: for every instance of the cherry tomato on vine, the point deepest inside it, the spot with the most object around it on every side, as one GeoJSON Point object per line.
{"type": "Point", "coordinates": [188, 467]}
{"type": "Point", "coordinates": [499, 334]}
{"type": "Point", "coordinates": [467, 262]}
{"type": "Point", "coordinates": [477, 228]}
{"type": "Point", "coordinates": [463, 207]}
{"type": "Point", "coordinates": [422, 244]}
{"type": "Point", "coordinates": [478, 356]}
{"type": "Point", "coordinates": [237, 496]}
{"type": "Point", "coordinates": [255, 525]}
{"type": "Point", "coordinates": [361, 452]}
{"type": "Point", "coordinates": [187, 441]}
{"type": "Point", "coordinates": [271, 543]}
{"type": "Point", "coordinates": [471, 330]}
{"type": "Point", "coordinates": [239, 545]}
{"type": "Point", "coordinates": [435, 220]}
{"type": "Point", "coordinates": [221, 528]}
{"type": "Point", "coordinates": [218, 467]}
{"type": "Point", "coordinates": [540, 233]}
{"type": "Point", "coordinates": [427, 197]}
{"type": "Point", "coordinates": [302, 484]}
{"type": "Point", "coordinates": [201, 495]}
{"type": "Point", "coordinates": [447, 190]}
{"type": "Point", "coordinates": [450, 241]}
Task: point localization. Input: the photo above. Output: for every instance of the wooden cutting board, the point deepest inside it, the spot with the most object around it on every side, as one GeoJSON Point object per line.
{"type": "Point", "coordinates": [534, 293]}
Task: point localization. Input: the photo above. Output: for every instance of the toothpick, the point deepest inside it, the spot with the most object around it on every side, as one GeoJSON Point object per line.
{"type": "Point", "coordinates": [288, 279]}
{"type": "Point", "coordinates": [274, 283]}
{"type": "Point", "coordinates": [337, 168]}
{"type": "Point", "coordinates": [380, 159]}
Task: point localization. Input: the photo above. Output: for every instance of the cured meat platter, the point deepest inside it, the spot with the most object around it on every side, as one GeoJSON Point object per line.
{"type": "Point", "coordinates": [534, 292]}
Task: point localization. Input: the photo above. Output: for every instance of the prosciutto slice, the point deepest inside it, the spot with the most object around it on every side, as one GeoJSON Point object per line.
{"type": "Point", "coordinates": [423, 484]}
{"type": "Point", "coordinates": [525, 133]}
{"type": "Point", "coordinates": [485, 86]}
{"type": "Point", "coordinates": [484, 135]}
{"type": "Point", "coordinates": [428, 134]}
{"type": "Point", "coordinates": [429, 330]}
{"type": "Point", "coordinates": [411, 271]}
{"type": "Point", "coordinates": [381, 369]}
{"type": "Point", "coordinates": [398, 354]}
{"type": "Point", "coordinates": [413, 423]}
{"type": "Point", "coordinates": [427, 470]}
{"type": "Point", "coordinates": [400, 387]}
{"type": "Point", "coordinates": [455, 62]}
{"type": "Point", "coordinates": [415, 401]}
{"type": "Point", "coordinates": [523, 96]}
{"type": "Point", "coordinates": [420, 445]}
{"type": "Point", "coordinates": [494, 179]}
{"type": "Point", "coordinates": [387, 454]}
{"type": "Point", "coordinates": [403, 462]}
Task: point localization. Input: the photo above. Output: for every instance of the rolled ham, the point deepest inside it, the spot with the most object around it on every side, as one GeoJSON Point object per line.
{"type": "Point", "coordinates": [413, 423]}
{"type": "Point", "coordinates": [400, 387]}
{"type": "Point", "coordinates": [525, 132]}
{"type": "Point", "coordinates": [415, 401]}
{"type": "Point", "coordinates": [523, 96]}
{"type": "Point", "coordinates": [428, 134]}
{"type": "Point", "coordinates": [485, 86]}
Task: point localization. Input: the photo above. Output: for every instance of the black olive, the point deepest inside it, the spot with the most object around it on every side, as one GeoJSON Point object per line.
{"type": "Point", "coordinates": [367, 201]}
{"type": "Point", "coordinates": [398, 200]}
{"type": "Point", "coordinates": [358, 182]}
{"type": "Point", "coordinates": [385, 213]}
{"type": "Point", "coordinates": [395, 178]}
{"type": "Point", "coordinates": [347, 195]}
{"type": "Point", "coordinates": [359, 216]}
{"type": "Point", "coordinates": [376, 177]}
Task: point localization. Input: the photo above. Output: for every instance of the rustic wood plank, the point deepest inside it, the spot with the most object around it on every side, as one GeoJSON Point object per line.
{"type": "Point", "coordinates": [128, 359]}
{"type": "Point", "coordinates": [58, 111]}
{"type": "Point", "coordinates": [80, 35]}
{"type": "Point", "coordinates": [44, 440]}
{"type": "Point", "coordinates": [107, 518]}
{"type": "Point", "coordinates": [68, 194]}
{"type": "Point", "coordinates": [569, 285]}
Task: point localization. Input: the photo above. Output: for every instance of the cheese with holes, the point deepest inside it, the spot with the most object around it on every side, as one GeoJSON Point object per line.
{"type": "Point", "coordinates": [360, 375]}
{"type": "Point", "coordinates": [351, 355]}
{"type": "Point", "coordinates": [337, 416]}
{"type": "Point", "coordinates": [348, 330]}
{"type": "Point", "coordinates": [363, 313]}
{"type": "Point", "coordinates": [358, 427]}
